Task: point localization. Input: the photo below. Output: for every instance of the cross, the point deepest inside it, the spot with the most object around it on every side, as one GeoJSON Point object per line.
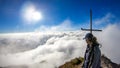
{"type": "Point", "coordinates": [90, 25]}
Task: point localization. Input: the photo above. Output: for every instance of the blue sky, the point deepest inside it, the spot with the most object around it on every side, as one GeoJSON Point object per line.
{"type": "Point", "coordinates": [56, 12]}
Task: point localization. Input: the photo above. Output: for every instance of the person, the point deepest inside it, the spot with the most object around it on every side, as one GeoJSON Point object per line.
{"type": "Point", "coordinates": [92, 57]}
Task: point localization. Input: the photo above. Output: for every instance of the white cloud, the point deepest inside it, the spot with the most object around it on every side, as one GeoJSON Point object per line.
{"type": "Point", "coordinates": [51, 49]}
{"type": "Point", "coordinates": [64, 26]}
{"type": "Point", "coordinates": [57, 48]}
{"type": "Point", "coordinates": [110, 40]}
{"type": "Point", "coordinates": [109, 37]}
{"type": "Point", "coordinates": [105, 19]}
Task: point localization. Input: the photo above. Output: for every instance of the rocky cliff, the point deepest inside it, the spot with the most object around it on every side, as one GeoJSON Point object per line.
{"type": "Point", "coordinates": [77, 63]}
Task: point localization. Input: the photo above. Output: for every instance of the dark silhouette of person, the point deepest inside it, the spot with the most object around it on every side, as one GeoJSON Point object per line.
{"type": "Point", "coordinates": [92, 57]}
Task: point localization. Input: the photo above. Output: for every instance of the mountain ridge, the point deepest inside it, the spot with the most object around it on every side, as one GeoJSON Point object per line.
{"type": "Point", "coordinates": [77, 63]}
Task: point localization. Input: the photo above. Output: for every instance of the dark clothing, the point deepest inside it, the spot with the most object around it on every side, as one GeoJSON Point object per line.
{"type": "Point", "coordinates": [92, 57]}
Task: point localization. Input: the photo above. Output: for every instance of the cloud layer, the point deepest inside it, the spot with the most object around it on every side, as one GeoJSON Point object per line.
{"type": "Point", "coordinates": [55, 48]}
{"type": "Point", "coordinates": [66, 25]}
{"type": "Point", "coordinates": [109, 39]}
{"type": "Point", "coordinates": [105, 19]}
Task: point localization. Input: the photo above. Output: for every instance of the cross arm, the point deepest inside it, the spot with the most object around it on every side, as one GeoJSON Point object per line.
{"type": "Point", "coordinates": [90, 29]}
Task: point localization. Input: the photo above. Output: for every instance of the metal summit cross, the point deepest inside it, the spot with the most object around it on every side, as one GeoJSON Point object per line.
{"type": "Point", "coordinates": [90, 25]}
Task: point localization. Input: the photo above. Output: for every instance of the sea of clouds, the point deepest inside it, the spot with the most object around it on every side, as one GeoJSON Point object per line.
{"type": "Point", "coordinates": [47, 49]}
{"type": "Point", "coordinates": [52, 49]}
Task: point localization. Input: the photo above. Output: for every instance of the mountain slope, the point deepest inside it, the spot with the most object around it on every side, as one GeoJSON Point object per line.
{"type": "Point", "coordinates": [77, 63]}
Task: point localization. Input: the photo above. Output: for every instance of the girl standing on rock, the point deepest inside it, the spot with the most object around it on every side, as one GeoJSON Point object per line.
{"type": "Point", "coordinates": [92, 57]}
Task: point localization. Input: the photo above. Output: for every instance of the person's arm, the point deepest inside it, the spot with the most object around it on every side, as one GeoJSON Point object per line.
{"type": "Point", "coordinates": [83, 65]}
{"type": "Point", "coordinates": [97, 58]}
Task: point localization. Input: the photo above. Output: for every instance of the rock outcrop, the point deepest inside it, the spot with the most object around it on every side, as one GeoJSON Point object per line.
{"type": "Point", "coordinates": [77, 63]}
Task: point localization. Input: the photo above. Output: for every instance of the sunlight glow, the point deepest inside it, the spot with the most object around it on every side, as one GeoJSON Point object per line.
{"type": "Point", "coordinates": [30, 14]}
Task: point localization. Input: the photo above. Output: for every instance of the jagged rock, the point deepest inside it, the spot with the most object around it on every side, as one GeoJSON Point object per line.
{"type": "Point", "coordinates": [74, 63]}
{"type": "Point", "coordinates": [77, 63]}
{"type": "Point", "coordinates": [107, 63]}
